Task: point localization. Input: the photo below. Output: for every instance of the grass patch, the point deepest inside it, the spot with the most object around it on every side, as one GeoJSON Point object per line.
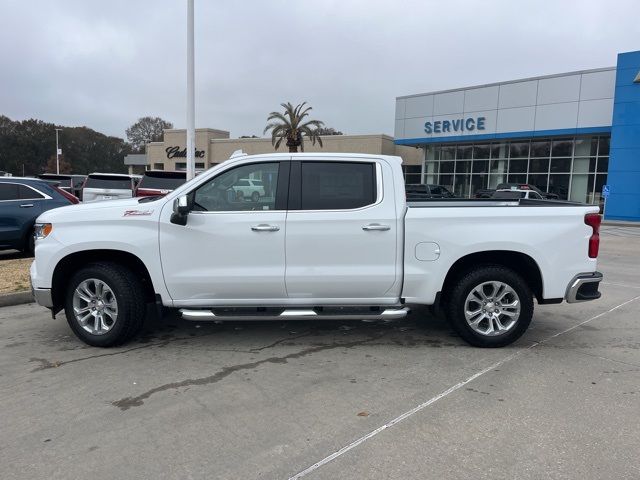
{"type": "Point", "coordinates": [14, 275]}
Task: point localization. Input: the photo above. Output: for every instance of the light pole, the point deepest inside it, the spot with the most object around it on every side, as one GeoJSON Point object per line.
{"type": "Point", "coordinates": [191, 103]}
{"type": "Point", "coordinates": [58, 152]}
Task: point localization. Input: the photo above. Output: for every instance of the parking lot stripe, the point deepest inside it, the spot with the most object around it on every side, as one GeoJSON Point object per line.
{"type": "Point", "coordinates": [441, 395]}
{"type": "Point", "coordinates": [620, 285]}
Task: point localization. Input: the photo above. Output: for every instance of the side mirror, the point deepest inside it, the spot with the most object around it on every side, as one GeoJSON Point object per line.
{"type": "Point", "coordinates": [181, 209]}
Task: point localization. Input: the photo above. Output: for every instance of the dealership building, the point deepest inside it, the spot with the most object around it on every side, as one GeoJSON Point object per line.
{"type": "Point", "coordinates": [215, 146]}
{"type": "Point", "coordinates": [569, 134]}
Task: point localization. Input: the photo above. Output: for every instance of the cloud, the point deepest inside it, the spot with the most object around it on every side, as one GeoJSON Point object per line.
{"type": "Point", "coordinates": [104, 64]}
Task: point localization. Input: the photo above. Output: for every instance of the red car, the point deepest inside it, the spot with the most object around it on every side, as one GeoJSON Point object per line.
{"type": "Point", "coordinates": [157, 183]}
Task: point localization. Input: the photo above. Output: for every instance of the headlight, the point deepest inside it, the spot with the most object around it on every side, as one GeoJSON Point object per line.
{"type": "Point", "coordinates": [41, 230]}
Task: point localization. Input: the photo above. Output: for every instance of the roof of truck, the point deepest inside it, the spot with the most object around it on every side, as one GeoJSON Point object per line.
{"type": "Point", "coordinates": [314, 155]}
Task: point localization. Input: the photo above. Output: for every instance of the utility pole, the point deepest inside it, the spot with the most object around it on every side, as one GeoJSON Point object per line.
{"type": "Point", "coordinates": [58, 152]}
{"type": "Point", "coordinates": [191, 103]}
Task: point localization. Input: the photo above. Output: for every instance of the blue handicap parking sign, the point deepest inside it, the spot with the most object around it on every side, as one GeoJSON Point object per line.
{"type": "Point", "coordinates": [606, 190]}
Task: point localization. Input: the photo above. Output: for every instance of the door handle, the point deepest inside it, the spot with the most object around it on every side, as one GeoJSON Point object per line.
{"type": "Point", "coordinates": [26, 205]}
{"type": "Point", "coordinates": [376, 226]}
{"type": "Point", "coordinates": [263, 227]}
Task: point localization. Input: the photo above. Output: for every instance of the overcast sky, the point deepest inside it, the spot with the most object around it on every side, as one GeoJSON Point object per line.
{"type": "Point", "coordinates": [103, 64]}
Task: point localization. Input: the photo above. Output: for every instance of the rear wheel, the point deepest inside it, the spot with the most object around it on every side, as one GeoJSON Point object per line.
{"type": "Point", "coordinates": [490, 306]}
{"type": "Point", "coordinates": [255, 196]}
{"type": "Point", "coordinates": [105, 304]}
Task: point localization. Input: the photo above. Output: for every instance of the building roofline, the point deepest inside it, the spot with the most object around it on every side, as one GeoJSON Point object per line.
{"type": "Point", "coordinates": [197, 130]}
{"type": "Point", "coordinates": [494, 84]}
{"type": "Point", "coordinates": [324, 137]}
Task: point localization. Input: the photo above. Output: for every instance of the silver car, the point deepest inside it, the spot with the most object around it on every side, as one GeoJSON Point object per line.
{"type": "Point", "coordinates": [108, 186]}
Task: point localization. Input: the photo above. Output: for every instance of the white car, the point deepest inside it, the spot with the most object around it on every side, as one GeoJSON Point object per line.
{"type": "Point", "coordinates": [336, 240]}
{"type": "Point", "coordinates": [108, 186]}
{"type": "Point", "coordinates": [246, 188]}
{"type": "Point", "coordinates": [515, 193]}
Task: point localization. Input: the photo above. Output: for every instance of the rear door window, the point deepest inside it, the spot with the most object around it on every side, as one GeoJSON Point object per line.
{"type": "Point", "coordinates": [337, 185]}
{"type": "Point", "coordinates": [26, 193]}
{"type": "Point", "coordinates": [8, 191]}
{"type": "Point", "coordinates": [108, 182]}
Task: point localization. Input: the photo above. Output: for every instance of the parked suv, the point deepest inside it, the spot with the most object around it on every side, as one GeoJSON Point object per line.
{"type": "Point", "coordinates": [516, 193]}
{"type": "Point", "coordinates": [157, 183]}
{"type": "Point", "coordinates": [527, 186]}
{"type": "Point", "coordinates": [108, 186]}
{"type": "Point", "coordinates": [69, 183]}
{"type": "Point", "coordinates": [22, 200]}
{"type": "Point", "coordinates": [248, 188]}
{"type": "Point", "coordinates": [420, 191]}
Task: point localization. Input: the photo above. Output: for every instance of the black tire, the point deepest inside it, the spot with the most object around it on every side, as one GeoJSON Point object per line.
{"type": "Point", "coordinates": [456, 299]}
{"type": "Point", "coordinates": [255, 196]}
{"type": "Point", "coordinates": [129, 294]}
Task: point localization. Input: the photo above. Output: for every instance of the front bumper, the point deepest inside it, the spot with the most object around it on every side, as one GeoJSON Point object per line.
{"type": "Point", "coordinates": [584, 287]}
{"type": "Point", "coordinates": [42, 296]}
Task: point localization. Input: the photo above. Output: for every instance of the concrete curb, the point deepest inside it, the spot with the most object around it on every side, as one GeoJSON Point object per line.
{"type": "Point", "coordinates": [16, 298]}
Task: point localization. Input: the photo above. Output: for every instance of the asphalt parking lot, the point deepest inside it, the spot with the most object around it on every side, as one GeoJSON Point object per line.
{"type": "Point", "coordinates": [348, 400]}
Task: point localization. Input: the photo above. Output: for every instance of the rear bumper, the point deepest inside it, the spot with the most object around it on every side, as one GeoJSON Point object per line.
{"type": "Point", "coordinates": [584, 287]}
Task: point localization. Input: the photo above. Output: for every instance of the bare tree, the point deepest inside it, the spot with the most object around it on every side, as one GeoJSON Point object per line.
{"type": "Point", "coordinates": [146, 129]}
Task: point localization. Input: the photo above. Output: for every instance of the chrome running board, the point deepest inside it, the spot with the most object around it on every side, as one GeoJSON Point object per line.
{"type": "Point", "coordinates": [297, 314]}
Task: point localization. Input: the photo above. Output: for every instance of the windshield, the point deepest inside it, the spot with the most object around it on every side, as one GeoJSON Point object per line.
{"type": "Point", "coordinates": [163, 182]}
{"type": "Point", "coordinates": [108, 181]}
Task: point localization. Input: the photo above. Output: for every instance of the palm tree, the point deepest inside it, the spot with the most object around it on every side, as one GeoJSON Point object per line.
{"type": "Point", "coordinates": [291, 126]}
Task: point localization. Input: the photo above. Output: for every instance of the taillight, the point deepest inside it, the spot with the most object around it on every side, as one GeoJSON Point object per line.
{"type": "Point", "coordinates": [67, 195]}
{"type": "Point", "coordinates": [593, 220]}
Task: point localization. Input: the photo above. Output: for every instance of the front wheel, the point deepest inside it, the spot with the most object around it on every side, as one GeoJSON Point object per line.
{"type": "Point", "coordinates": [490, 306]}
{"type": "Point", "coordinates": [105, 304]}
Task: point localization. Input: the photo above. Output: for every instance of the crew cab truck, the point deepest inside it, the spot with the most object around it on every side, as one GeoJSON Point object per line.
{"type": "Point", "coordinates": [333, 237]}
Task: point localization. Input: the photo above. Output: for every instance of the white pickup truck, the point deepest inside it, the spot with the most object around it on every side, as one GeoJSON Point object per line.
{"type": "Point", "coordinates": [330, 236]}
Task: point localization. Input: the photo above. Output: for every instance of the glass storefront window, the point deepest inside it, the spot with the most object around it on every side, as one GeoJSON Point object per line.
{"type": "Point", "coordinates": [539, 165]}
{"type": "Point", "coordinates": [499, 150]}
{"type": "Point", "coordinates": [461, 185]}
{"type": "Point", "coordinates": [580, 188]}
{"type": "Point", "coordinates": [481, 152]}
{"type": "Point", "coordinates": [581, 165]}
{"type": "Point", "coordinates": [463, 167]}
{"type": "Point", "coordinates": [480, 166]}
{"type": "Point", "coordinates": [432, 153]}
{"type": "Point", "coordinates": [562, 148]}
{"type": "Point", "coordinates": [603, 164]}
{"type": "Point", "coordinates": [559, 184]}
{"type": "Point", "coordinates": [540, 149]}
{"type": "Point", "coordinates": [517, 178]}
{"type": "Point", "coordinates": [572, 168]}
{"type": "Point", "coordinates": [478, 182]}
{"type": "Point", "coordinates": [446, 181]}
{"type": "Point", "coordinates": [586, 147]}
{"type": "Point", "coordinates": [497, 179]}
{"type": "Point", "coordinates": [447, 167]}
{"type": "Point", "coordinates": [539, 181]}
{"type": "Point", "coordinates": [448, 153]}
{"type": "Point", "coordinates": [464, 152]}
{"type": "Point", "coordinates": [519, 150]}
{"type": "Point", "coordinates": [518, 166]}
{"type": "Point", "coordinates": [560, 165]}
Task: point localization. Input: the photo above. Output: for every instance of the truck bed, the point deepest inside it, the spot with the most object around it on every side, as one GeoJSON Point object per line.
{"type": "Point", "coordinates": [489, 202]}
